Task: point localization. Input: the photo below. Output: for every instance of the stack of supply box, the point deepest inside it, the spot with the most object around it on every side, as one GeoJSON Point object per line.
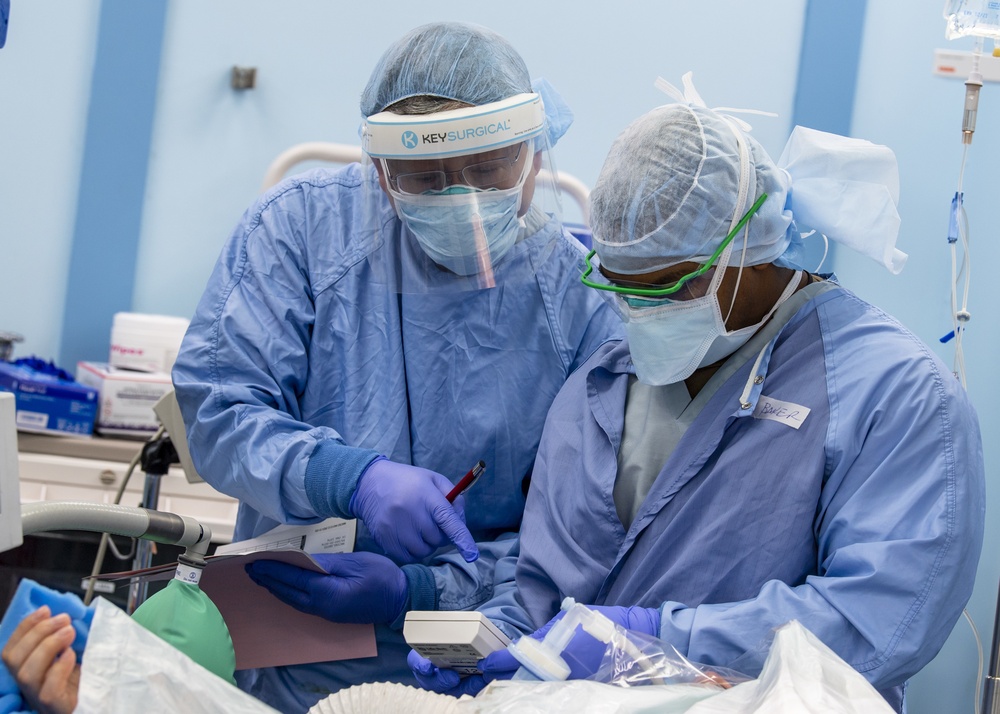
{"type": "Point", "coordinates": [137, 373]}
{"type": "Point", "coordinates": [47, 400]}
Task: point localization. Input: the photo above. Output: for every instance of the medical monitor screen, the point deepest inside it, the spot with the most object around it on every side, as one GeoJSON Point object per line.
{"type": "Point", "coordinates": [10, 485]}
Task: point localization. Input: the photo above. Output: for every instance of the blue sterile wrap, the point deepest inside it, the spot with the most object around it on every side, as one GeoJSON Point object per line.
{"type": "Point", "coordinates": [29, 597]}
{"type": "Point", "coordinates": [4, 15]}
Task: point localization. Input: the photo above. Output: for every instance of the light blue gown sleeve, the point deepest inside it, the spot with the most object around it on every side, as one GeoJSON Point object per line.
{"type": "Point", "coordinates": [504, 607]}
{"type": "Point", "coordinates": [898, 532]}
{"type": "Point", "coordinates": [244, 360]}
{"type": "Point", "coordinates": [448, 582]}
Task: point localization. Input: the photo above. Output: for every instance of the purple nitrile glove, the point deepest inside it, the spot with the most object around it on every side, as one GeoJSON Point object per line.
{"type": "Point", "coordinates": [638, 619]}
{"type": "Point", "coordinates": [496, 665]}
{"type": "Point", "coordinates": [448, 681]}
{"type": "Point", "coordinates": [405, 509]}
{"type": "Point", "coordinates": [584, 652]}
{"type": "Point", "coordinates": [357, 587]}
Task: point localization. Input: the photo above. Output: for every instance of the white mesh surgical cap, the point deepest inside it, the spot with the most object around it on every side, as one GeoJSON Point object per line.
{"type": "Point", "coordinates": [667, 193]}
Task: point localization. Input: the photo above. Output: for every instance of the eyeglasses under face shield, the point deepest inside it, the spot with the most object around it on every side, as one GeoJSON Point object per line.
{"type": "Point", "coordinates": [497, 169]}
{"type": "Point", "coordinates": [473, 189]}
{"type": "Point", "coordinates": [688, 287]}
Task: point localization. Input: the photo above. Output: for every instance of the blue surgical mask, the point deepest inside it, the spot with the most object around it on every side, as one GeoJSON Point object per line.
{"type": "Point", "coordinates": [467, 231]}
{"type": "Point", "coordinates": [670, 341]}
{"type": "Point", "coordinates": [464, 229]}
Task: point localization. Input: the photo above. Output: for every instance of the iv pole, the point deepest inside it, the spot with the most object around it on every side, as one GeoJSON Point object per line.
{"type": "Point", "coordinates": [991, 687]}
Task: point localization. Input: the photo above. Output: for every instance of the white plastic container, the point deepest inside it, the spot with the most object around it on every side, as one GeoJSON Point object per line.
{"type": "Point", "coordinates": [146, 343]}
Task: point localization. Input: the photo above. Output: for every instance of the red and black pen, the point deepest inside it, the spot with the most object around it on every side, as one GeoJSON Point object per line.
{"type": "Point", "coordinates": [466, 483]}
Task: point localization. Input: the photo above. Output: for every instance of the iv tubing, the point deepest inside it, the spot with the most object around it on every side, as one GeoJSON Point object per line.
{"type": "Point", "coordinates": [972, 86]}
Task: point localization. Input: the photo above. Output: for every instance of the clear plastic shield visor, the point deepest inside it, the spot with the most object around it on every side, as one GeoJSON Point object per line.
{"type": "Point", "coordinates": [459, 198]}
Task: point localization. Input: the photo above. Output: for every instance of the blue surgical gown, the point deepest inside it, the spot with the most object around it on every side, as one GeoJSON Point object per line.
{"type": "Point", "coordinates": [296, 342]}
{"type": "Point", "coordinates": [865, 523]}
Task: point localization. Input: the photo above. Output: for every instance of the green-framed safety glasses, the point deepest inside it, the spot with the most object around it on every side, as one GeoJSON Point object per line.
{"type": "Point", "coordinates": [671, 289]}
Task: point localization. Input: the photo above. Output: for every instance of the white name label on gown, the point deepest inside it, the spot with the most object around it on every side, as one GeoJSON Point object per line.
{"type": "Point", "coordinates": [787, 413]}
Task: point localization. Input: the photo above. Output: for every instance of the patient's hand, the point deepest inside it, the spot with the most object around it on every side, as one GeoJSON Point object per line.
{"type": "Point", "coordinates": [39, 657]}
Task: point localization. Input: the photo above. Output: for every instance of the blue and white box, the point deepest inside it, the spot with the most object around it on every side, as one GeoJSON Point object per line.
{"type": "Point", "coordinates": [49, 403]}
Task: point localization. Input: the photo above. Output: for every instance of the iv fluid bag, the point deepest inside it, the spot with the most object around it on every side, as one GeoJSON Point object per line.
{"type": "Point", "coordinates": [972, 18]}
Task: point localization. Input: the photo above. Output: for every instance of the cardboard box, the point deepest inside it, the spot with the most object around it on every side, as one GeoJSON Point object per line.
{"type": "Point", "coordinates": [47, 402]}
{"type": "Point", "coordinates": [126, 397]}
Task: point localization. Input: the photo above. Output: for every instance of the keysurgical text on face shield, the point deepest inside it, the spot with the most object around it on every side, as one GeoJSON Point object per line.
{"type": "Point", "coordinates": [465, 133]}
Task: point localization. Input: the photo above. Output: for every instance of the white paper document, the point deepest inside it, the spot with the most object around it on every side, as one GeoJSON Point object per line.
{"type": "Point", "coordinates": [334, 535]}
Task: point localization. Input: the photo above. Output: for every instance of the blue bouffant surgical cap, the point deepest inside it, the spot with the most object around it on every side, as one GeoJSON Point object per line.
{"type": "Point", "coordinates": [454, 60]}
{"type": "Point", "coordinates": [459, 61]}
{"type": "Point", "coordinates": [667, 193]}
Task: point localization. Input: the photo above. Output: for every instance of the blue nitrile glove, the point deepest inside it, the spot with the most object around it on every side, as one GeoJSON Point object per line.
{"type": "Point", "coordinates": [638, 619]}
{"type": "Point", "coordinates": [359, 587]}
{"type": "Point", "coordinates": [407, 513]}
{"type": "Point", "coordinates": [584, 653]}
{"type": "Point", "coordinates": [448, 681]}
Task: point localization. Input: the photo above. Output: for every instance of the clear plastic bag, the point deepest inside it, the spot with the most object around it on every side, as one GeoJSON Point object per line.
{"type": "Point", "coordinates": [972, 18]}
{"type": "Point", "coordinates": [635, 659]}
{"type": "Point", "coordinates": [585, 641]}
{"type": "Point", "coordinates": [126, 669]}
{"type": "Point", "coordinates": [801, 675]}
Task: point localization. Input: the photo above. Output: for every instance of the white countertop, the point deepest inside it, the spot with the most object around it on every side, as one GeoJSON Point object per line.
{"type": "Point", "coordinates": [57, 468]}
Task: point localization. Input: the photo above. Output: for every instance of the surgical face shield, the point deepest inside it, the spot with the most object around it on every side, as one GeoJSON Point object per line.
{"type": "Point", "coordinates": [458, 198]}
{"type": "Point", "coordinates": [441, 219]}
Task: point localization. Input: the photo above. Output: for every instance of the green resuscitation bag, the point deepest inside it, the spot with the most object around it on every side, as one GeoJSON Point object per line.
{"type": "Point", "coordinates": [184, 616]}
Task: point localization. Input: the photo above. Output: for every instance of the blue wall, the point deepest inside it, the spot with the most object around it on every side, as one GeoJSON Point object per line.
{"type": "Point", "coordinates": [191, 151]}
{"type": "Point", "coordinates": [901, 104]}
{"type": "Point", "coordinates": [827, 79]}
{"type": "Point", "coordinates": [113, 177]}
{"type": "Point", "coordinates": [211, 145]}
{"type": "Point", "coordinates": [45, 72]}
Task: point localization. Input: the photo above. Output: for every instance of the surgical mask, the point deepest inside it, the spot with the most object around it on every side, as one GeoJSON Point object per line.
{"type": "Point", "coordinates": [669, 342]}
{"type": "Point", "coordinates": [463, 229]}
